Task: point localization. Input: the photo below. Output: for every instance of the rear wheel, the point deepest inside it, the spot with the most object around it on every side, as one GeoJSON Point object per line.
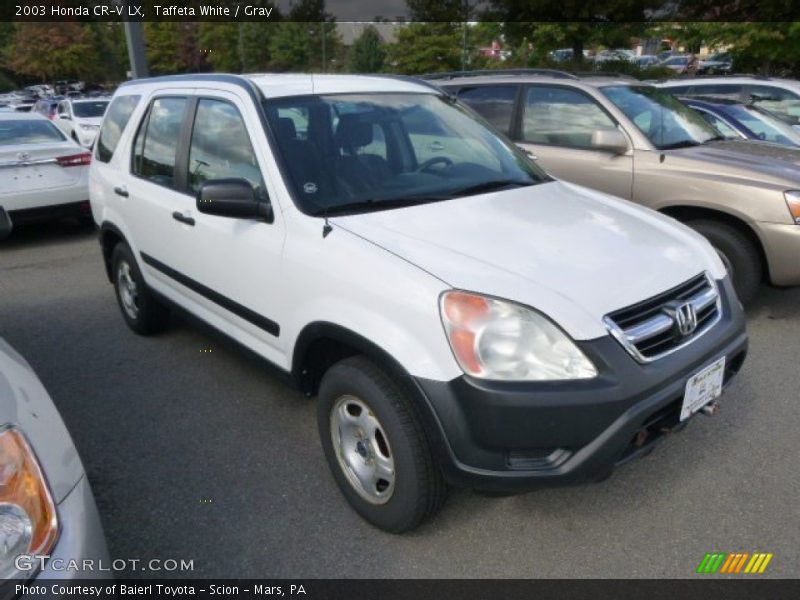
{"type": "Point", "coordinates": [738, 252]}
{"type": "Point", "coordinates": [376, 447]}
{"type": "Point", "coordinates": [143, 313]}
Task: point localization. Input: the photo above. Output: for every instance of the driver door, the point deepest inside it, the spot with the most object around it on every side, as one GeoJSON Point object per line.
{"type": "Point", "coordinates": [557, 126]}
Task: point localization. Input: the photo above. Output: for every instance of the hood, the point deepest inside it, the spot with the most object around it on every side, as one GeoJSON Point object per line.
{"type": "Point", "coordinates": [570, 252]}
{"type": "Point", "coordinates": [749, 159]}
{"type": "Point", "coordinates": [25, 404]}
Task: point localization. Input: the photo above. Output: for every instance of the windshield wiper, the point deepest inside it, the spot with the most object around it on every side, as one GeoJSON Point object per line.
{"type": "Point", "coordinates": [372, 204]}
{"type": "Point", "coordinates": [681, 144]}
{"type": "Point", "coordinates": [488, 186]}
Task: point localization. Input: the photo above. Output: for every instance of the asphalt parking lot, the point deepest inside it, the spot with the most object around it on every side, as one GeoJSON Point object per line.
{"type": "Point", "coordinates": [196, 452]}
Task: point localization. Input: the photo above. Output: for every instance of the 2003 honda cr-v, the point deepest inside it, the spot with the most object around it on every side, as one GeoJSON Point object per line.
{"type": "Point", "coordinates": [462, 317]}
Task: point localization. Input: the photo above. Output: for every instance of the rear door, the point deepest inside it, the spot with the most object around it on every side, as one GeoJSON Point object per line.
{"type": "Point", "coordinates": [556, 125]}
{"type": "Point", "coordinates": [153, 200]}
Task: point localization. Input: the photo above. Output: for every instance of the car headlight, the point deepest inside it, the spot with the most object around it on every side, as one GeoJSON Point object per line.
{"type": "Point", "coordinates": [28, 521]}
{"type": "Point", "coordinates": [88, 127]}
{"type": "Point", "coordinates": [497, 339]}
{"type": "Point", "coordinates": [793, 202]}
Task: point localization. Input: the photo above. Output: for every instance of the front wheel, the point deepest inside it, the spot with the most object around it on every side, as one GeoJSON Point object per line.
{"type": "Point", "coordinates": [739, 254]}
{"type": "Point", "coordinates": [376, 447]}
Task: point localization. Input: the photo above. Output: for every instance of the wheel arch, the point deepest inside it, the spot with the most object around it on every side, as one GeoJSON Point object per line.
{"type": "Point", "coordinates": [110, 236]}
{"type": "Point", "coordinates": [687, 212]}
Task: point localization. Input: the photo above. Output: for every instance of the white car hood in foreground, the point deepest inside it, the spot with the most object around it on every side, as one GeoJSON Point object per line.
{"type": "Point", "coordinates": [570, 252]}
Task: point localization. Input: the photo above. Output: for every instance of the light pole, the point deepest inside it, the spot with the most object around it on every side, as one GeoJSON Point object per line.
{"type": "Point", "coordinates": [464, 41]}
{"type": "Point", "coordinates": [136, 55]}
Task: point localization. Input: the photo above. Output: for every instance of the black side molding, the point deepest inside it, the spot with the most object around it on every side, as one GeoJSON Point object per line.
{"type": "Point", "coordinates": [240, 311]}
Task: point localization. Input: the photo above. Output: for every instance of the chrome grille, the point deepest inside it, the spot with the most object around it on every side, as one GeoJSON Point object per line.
{"type": "Point", "coordinates": [662, 324]}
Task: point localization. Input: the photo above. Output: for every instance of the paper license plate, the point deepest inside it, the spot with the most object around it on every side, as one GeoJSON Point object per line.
{"type": "Point", "coordinates": [702, 388]}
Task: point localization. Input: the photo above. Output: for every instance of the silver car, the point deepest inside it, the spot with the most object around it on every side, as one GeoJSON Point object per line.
{"type": "Point", "coordinates": [48, 517]}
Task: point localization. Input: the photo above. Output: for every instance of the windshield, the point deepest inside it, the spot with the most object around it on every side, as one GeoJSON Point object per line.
{"type": "Point", "coordinates": [87, 110]}
{"type": "Point", "coordinates": [354, 152]}
{"type": "Point", "coordinates": [765, 126]}
{"type": "Point", "coordinates": [665, 121]}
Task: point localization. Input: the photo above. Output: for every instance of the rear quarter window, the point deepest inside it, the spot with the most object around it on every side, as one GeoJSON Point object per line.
{"type": "Point", "coordinates": [117, 117]}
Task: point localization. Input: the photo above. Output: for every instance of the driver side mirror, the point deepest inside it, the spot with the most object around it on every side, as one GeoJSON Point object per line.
{"type": "Point", "coordinates": [612, 140]}
{"type": "Point", "coordinates": [64, 116]}
{"type": "Point", "coordinates": [234, 198]}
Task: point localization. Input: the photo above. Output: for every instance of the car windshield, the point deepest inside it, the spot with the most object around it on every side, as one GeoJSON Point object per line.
{"type": "Point", "coordinates": [665, 121]}
{"type": "Point", "coordinates": [87, 110]}
{"type": "Point", "coordinates": [765, 126]}
{"type": "Point", "coordinates": [16, 132]}
{"type": "Point", "coordinates": [358, 152]}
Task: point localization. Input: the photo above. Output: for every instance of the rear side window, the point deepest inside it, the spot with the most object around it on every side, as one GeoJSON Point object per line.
{"type": "Point", "coordinates": [156, 143]}
{"type": "Point", "coordinates": [220, 146]}
{"type": "Point", "coordinates": [119, 113]}
{"type": "Point", "coordinates": [562, 117]}
{"type": "Point", "coordinates": [493, 103]}
{"type": "Point", "coordinates": [13, 133]}
{"type": "Point", "coordinates": [782, 102]}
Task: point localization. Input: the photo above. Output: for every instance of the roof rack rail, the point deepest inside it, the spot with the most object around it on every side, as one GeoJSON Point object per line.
{"type": "Point", "coordinates": [484, 72]}
{"type": "Point", "coordinates": [604, 74]}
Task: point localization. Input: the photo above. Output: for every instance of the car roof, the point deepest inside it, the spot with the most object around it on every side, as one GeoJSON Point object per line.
{"type": "Point", "coordinates": [736, 79]}
{"type": "Point", "coordinates": [571, 80]}
{"type": "Point", "coordinates": [22, 116]}
{"type": "Point", "coordinates": [273, 85]}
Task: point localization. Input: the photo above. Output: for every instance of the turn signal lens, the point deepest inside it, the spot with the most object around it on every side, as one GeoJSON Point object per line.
{"type": "Point", "coordinates": [496, 339]}
{"type": "Point", "coordinates": [28, 521]}
{"type": "Point", "coordinates": [793, 202]}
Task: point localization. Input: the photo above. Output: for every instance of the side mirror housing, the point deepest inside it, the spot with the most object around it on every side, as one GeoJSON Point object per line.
{"type": "Point", "coordinates": [234, 198]}
{"type": "Point", "coordinates": [612, 140]}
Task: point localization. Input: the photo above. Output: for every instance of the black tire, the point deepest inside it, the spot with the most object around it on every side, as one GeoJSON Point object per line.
{"type": "Point", "coordinates": [740, 255]}
{"type": "Point", "coordinates": [150, 316]}
{"type": "Point", "coordinates": [419, 490]}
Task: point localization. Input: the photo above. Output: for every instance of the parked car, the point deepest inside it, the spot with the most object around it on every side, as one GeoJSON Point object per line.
{"type": "Point", "coordinates": [735, 120]}
{"type": "Point", "coordinates": [47, 107]}
{"type": "Point", "coordinates": [43, 174]}
{"type": "Point", "coordinates": [620, 54]}
{"type": "Point", "coordinates": [716, 64]}
{"type": "Point", "coordinates": [779, 96]}
{"type": "Point", "coordinates": [46, 504]}
{"type": "Point", "coordinates": [679, 64]}
{"type": "Point", "coordinates": [462, 317]}
{"type": "Point", "coordinates": [635, 141]}
{"type": "Point", "coordinates": [80, 119]}
{"type": "Point", "coordinates": [646, 60]}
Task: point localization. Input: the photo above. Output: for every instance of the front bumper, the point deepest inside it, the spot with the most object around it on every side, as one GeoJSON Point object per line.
{"type": "Point", "coordinates": [513, 436]}
{"type": "Point", "coordinates": [782, 245]}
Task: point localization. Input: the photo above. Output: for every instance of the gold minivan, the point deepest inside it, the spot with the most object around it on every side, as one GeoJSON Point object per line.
{"type": "Point", "coordinates": [633, 140]}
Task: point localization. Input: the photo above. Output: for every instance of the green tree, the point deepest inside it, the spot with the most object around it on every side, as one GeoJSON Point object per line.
{"type": "Point", "coordinates": [368, 52]}
{"type": "Point", "coordinates": [426, 48]}
{"type": "Point", "coordinates": [70, 51]}
{"type": "Point", "coordinates": [174, 47]}
{"type": "Point", "coordinates": [219, 44]}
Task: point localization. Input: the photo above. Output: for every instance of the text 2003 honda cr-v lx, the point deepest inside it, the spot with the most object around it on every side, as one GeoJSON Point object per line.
{"type": "Point", "coordinates": [462, 318]}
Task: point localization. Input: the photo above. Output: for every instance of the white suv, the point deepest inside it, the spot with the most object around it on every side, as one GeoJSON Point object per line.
{"type": "Point", "coordinates": [80, 118]}
{"type": "Point", "coordinates": [462, 317]}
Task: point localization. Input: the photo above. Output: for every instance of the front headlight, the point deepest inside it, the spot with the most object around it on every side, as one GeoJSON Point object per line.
{"type": "Point", "coordinates": [28, 522]}
{"type": "Point", "coordinates": [496, 339]}
{"type": "Point", "coordinates": [793, 202]}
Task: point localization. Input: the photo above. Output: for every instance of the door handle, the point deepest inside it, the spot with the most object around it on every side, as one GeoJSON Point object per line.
{"type": "Point", "coordinates": [121, 191]}
{"type": "Point", "coordinates": [179, 216]}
